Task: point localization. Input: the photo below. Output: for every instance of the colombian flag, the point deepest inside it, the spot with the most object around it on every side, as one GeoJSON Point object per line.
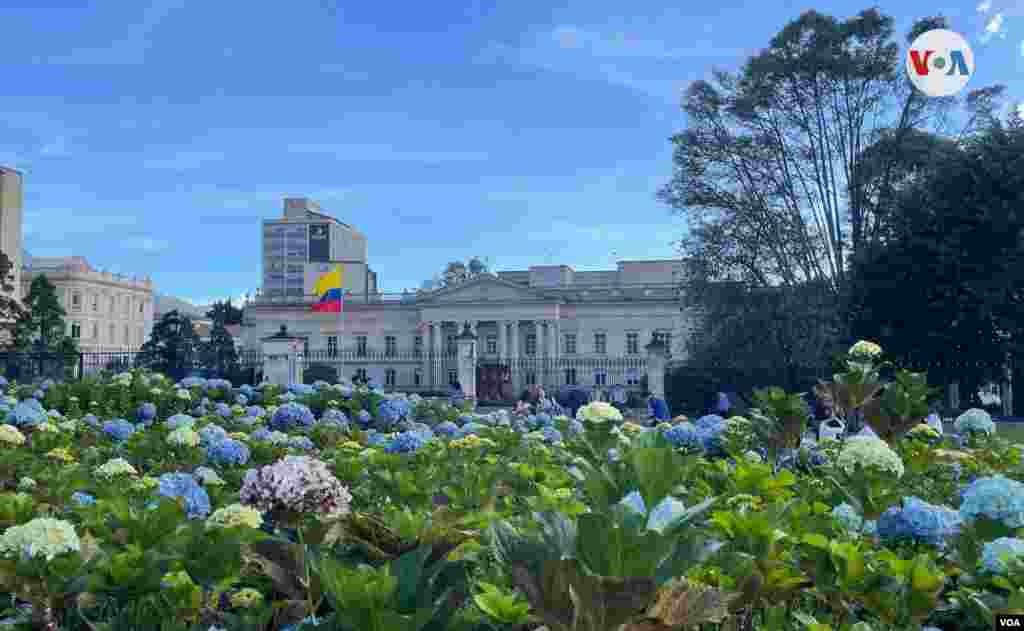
{"type": "Point", "coordinates": [328, 288]}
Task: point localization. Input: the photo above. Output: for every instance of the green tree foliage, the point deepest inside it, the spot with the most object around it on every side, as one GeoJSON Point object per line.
{"type": "Point", "coordinates": [11, 310]}
{"type": "Point", "coordinates": [42, 322]}
{"type": "Point", "coordinates": [219, 353]}
{"type": "Point", "coordinates": [225, 312]}
{"type": "Point", "coordinates": [457, 272]}
{"type": "Point", "coordinates": [172, 347]}
{"type": "Point", "coordinates": [946, 292]}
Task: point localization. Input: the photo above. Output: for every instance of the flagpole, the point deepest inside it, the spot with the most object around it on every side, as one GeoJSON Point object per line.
{"type": "Point", "coordinates": [341, 326]}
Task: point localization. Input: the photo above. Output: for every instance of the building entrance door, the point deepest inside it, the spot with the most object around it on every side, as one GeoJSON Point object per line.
{"type": "Point", "coordinates": [493, 382]}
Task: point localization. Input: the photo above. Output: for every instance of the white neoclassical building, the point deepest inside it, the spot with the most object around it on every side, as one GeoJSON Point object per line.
{"type": "Point", "coordinates": [548, 325]}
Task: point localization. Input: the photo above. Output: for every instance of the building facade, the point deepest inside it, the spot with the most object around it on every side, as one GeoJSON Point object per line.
{"type": "Point", "coordinates": [11, 212]}
{"type": "Point", "coordinates": [549, 325]}
{"type": "Point", "coordinates": [302, 243]}
{"type": "Point", "coordinates": [106, 312]}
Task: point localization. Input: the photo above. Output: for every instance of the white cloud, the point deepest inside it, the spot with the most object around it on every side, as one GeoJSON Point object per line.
{"type": "Point", "coordinates": [985, 6]}
{"type": "Point", "coordinates": [145, 244]}
{"type": "Point", "coordinates": [994, 28]}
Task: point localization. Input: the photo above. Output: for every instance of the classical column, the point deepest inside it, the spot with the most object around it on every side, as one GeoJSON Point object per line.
{"type": "Point", "coordinates": [513, 356]}
{"type": "Point", "coordinates": [502, 340]}
{"type": "Point", "coordinates": [435, 361]}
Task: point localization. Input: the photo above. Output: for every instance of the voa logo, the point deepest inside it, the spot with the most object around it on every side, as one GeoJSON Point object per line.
{"type": "Point", "coordinates": [940, 62]}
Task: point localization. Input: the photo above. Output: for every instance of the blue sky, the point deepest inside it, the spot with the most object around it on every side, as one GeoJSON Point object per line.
{"type": "Point", "coordinates": [156, 134]}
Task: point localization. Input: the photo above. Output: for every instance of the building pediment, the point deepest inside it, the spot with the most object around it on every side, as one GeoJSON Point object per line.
{"type": "Point", "coordinates": [486, 288]}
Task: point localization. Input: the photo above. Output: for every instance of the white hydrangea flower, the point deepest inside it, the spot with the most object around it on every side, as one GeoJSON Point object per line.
{"type": "Point", "coordinates": [235, 515]}
{"type": "Point", "coordinates": [974, 421]}
{"type": "Point", "coordinates": [599, 412]}
{"type": "Point", "coordinates": [208, 477]}
{"type": "Point", "coordinates": [11, 435]}
{"type": "Point", "coordinates": [43, 537]}
{"type": "Point", "coordinates": [183, 394]}
{"type": "Point", "coordinates": [869, 453]}
{"type": "Point", "coordinates": [26, 484]}
{"type": "Point", "coordinates": [183, 437]}
{"type": "Point", "coordinates": [114, 468]}
{"type": "Point", "coordinates": [69, 426]}
{"type": "Point", "coordinates": [866, 349]}
{"type": "Point", "coordinates": [47, 428]}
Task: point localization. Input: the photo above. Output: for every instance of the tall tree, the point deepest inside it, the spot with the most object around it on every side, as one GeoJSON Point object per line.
{"type": "Point", "coordinates": [457, 272]}
{"type": "Point", "coordinates": [769, 172]}
{"type": "Point", "coordinates": [219, 353]}
{"type": "Point", "coordinates": [11, 309]}
{"type": "Point", "coordinates": [225, 312]}
{"type": "Point", "coordinates": [42, 322]}
{"type": "Point", "coordinates": [172, 347]}
{"type": "Point", "coordinates": [947, 290]}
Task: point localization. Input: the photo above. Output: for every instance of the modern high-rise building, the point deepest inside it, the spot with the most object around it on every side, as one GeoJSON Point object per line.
{"type": "Point", "coordinates": [11, 210]}
{"type": "Point", "coordinates": [303, 244]}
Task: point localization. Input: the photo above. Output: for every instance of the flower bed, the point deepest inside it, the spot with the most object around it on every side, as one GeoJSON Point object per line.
{"type": "Point", "coordinates": [133, 499]}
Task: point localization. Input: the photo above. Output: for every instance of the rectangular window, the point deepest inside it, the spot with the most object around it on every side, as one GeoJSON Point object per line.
{"type": "Point", "coordinates": [417, 346]}
{"type": "Point", "coordinates": [361, 375]}
{"type": "Point", "coordinates": [95, 331]}
{"type": "Point", "coordinates": [570, 343]}
{"type": "Point", "coordinates": [600, 377]}
{"type": "Point", "coordinates": [141, 305]}
{"type": "Point", "coordinates": [127, 335]}
{"type": "Point", "coordinates": [570, 376]}
{"type": "Point", "coordinates": [111, 335]}
{"type": "Point", "coordinates": [95, 303]}
{"type": "Point", "coordinates": [76, 330]}
{"type": "Point", "coordinates": [666, 337]}
{"type": "Point", "coordinates": [633, 377]}
{"type": "Point", "coordinates": [113, 305]}
{"type": "Point", "coordinates": [453, 377]}
{"type": "Point", "coordinates": [332, 345]}
{"type": "Point", "coordinates": [390, 377]}
{"type": "Point", "coordinates": [417, 377]}
{"type": "Point", "coordinates": [531, 344]}
{"type": "Point", "coordinates": [600, 343]}
{"type": "Point", "coordinates": [361, 345]}
{"type": "Point", "coordinates": [492, 344]}
{"type": "Point", "coordinates": [531, 378]}
{"type": "Point", "coordinates": [127, 306]}
{"type": "Point", "coordinates": [451, 344]}
{"type": "Point", "coordinates": [390, 346]}
{"type": "Point", "coordinates": [632, 343]}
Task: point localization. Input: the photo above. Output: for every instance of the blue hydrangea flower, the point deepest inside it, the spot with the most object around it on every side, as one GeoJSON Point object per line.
{"type": "Point", "coordinates": [551, 435]}
{"type": "Point", "coordinates": [118, 429]}
{"type": "Point", "coordinates": [406, 442]}
{"type": "Point", "coordinates": [392, 411]}
{"type": "Point", "coordinates": [179, 420]}
{"type": "Point", "coordinates": [292, 416]}
{"type": "Point", "coordinates": [241, 399]}
{"type": "Point", "coordinates": [574, 427]}
{"type": "Point", "coordinates": [301, 389]}
{"type": "Point", "coordinates": [38, 394]}
{"type": "Point", "coordinates": [83, 499]}
{"type": "Point", "coordinates": [146, 412]}
{"type": "Point", "coordinates": [684, 435]}
{"type": "Point", "coordinates": [185, 486]}
{"type": "Point", "coordinates": [228, 452]}
{"type": "Point", "coordinates": [222, 410]}
{"type": "Point", "coordinates": [287, 397]}
{"type": "Point", "coordinates": [997, 498]}
{"type": "Point", "coordinates": [543, 420]}
{"type": "Point", "coordinates": [218, 384]}
{"type": "Point", "coordinates": [447, 429]}
{"type": "Point", "coordinates": [920, 521]}
{"type": "Point", "coordinates": [212, 434]}
{"type": "Point", "coordinates": [300, 442]}
{"type": "Point", "coordinates": [710, 429]}
{"type": "Point", "coordinates": [376, 439]}
{"type": "Point", "coordinates": [255, 411]}
{"type": "Point", "coordinates": [336, 417]}
{"type": "Point", "coordinates": [247, 390]}
{"type": "Point", "coordinates": [91, 420]}
{"type": "Point", "coordinates": [192, 382]}
{"type": "Point", "coordinates": [995, 554]}
{"type": "Point", "coordinates": [471, 428]}
{"type": "Point", "coordinates": [363, 418]}
{"type": "Point", "coordinates": [261, 434]}
{"type": "Point", "coordinates": [851, 520]}
{"type": "Point", "coordinates": [3, 382]}
{"type": "Point", "coordinates": [28, 413]}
